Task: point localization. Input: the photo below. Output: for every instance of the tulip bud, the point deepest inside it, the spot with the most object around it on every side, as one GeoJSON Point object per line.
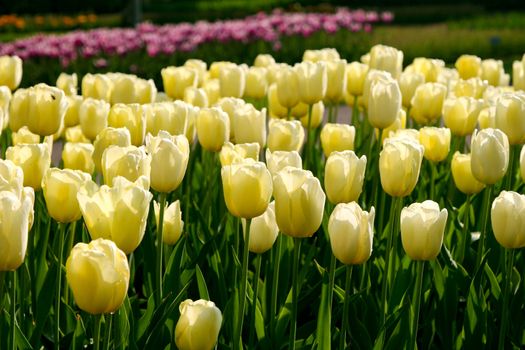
{"type": "Point", "coordinates": [34, 159]}
{"type": "Point", "coordinates": [408, 83]}
{"type": "Point", "coordinates": [169, 160]}
{"type": "Point", "coordinates": [399, 166]}
{"type": "Point", "coordinates": [71, 116]}
{"type": "Point", "coordinates": [275, 109]}
{"type": "Point", "coordinates": [97, 86]}
{"type": "Point", "coordinates": [508, 211]}
{"type": "Point", "coordinates": [490, 155]}
{"type": "Point", "coordinates": [337, 137]}
{"type": "Point", "coordinates": [436, 142]}
{"type": "Point", "coordinates": [316, 118]}
{"type": "Point", "coordinates": [510, 116]}
{"type": "Point", "coordinates": [98, 274]}
{"type": "Point", "coordinates": [336, 80]}
{"type": "Point", "coordinates": [487, 118]}
{"type": "Point", "coordinates": [384, 102]}
{"type": "Point", "coordinates": [312, 81]}
{"type": "Point", "coordinates": [285, 135]}
{"type": "Point", "coordinates": [191, 130]}
{"type": "Point", "coordinates": [386, 58]}
{"type": "Point", "coordinates": [493, 72]}
{"type": "Point", "coordinates": [461, 114]}
{"type": "Point", "coordinates": [371, 77]}
{"type": "Point", "coordinates": [231, 153]}
{"type": "Point", "coordinates": [344, 175]}
{"type": "Point", "coordinates": [427, 102]}
{"type": "Point", "coordinates": [74, 134]}
{"type": "Point", "coordinates": [68, 83]}
{"type": "Point", "coordinates": [473, 87]}
{"type": "Point", "coordinates": [145, 91]}
{"type": "Point", "coordinates": [200, 66]}
{"type": "Point", "coordinates": [60, 192]}
{"type": "Point", "coordinates": [247, 188]}
{"type": "Point", "coordinates": [468, 66]}
{"type": "Point", "coordinates": [462, 174]}
{"type": "Point", "coordinates": [172, 222]}
{"type": "Point", "coordinates": [213, 90]}
{"type": "Point", "coordinates": [287, 85]}
{"type": "Point", "coordinates": [93, 117]}
{"type": "Point", "coordinates": [123, 88]}
{"type": "Point", "coordinates": [196, 97]}
{"type": "Point", "coordinates": [177, 79]}
{"type": "Point", "coordinates": [118, 213]}
{"type": "Point", "coordinates": [278, 160]}
{"type": "Point", "coordinates": [213, 128]}
{"type": "Point", "coordinates": [232, 81]}
{"type": "Point", "coordinates": [518, 74]}
{"type": "Point", "coordinates": [78, 156]}
{"type": "Point", "coordinates": [299, 202]}
{"type": "Point", "coordinates": [351, 231]}
{"type": "Point", "coordinates": [10, 71]}
{"type": "Point", "coordinates": [263, 60]}
{"type": "Point", "coordinates": [129, 162]}
{"type": "Point", "coordinates": [16, 216]}
{"type": "Point", "coordinates": [198, 326]}
{"type": "Point", "coordinates": [131, 117]}
{"type": "Point", "coordinates": [249, 125]}
{"type": "Point", "coordinates": [422, 230]}
{"type": "Point", "coordinates": [230, 105]}
{"type": "Point", "coordinates": [168, 116]}
{"type": "Point", "coordinates": [23, 135]}
{"type": "Point", "coordinates": [355, 78]}
{"type": "Point", "coordinates": [108, 137]}
{"type": "Point", "coordinates": [256, 83]}
{"type": "Point", "coordinates": [263, 231]}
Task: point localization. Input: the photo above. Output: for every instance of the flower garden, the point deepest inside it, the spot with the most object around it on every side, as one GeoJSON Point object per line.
{"type": "Point", "coordinates": [154, 199]}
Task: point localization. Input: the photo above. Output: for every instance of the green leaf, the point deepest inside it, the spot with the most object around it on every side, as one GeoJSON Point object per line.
{"type": "Point", "coordinates": [439, 280]}
{"type": "Point", "coordinates": [44, 303]}
{"type": "Point", "coordinates": [494, 285]}
{"type": "Point", "coordinates": [201, 284]}
{"type": "Point", "coordinates": [323, 331]}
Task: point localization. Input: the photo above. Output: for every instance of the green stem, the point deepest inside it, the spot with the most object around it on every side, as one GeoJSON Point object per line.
{"type": "Point", "coordinates": [96, 334]}
{"type": "Point", "coordinates": [13, 310]}
{"type": "Point", "coordinates": [346, 306]}
{"type": "Point", "coordinates": [258, 260]}
{"type": "Point", "coordinates": [420, 268]}
{"type": "Point", "coordinates": [71, 242]}
{"type": "Point", "coordinates": [307, 149]}
{"type": "Point", "coordinates": [510, 171]}
{"type": "Point", "coordinates": [465, 234]}
{"type": "Point", "coordinates": [485, 211]}
{"type": "Point", "coordinates": [355, 112]}
{"type": "Point", "coordinates": [108, 332]}
{"type": "Point", "coordinates": [244, 281]}
{"type": "Point", "coordinates": [295, 291]}
{"type": "Point", "coordinates": [275, 284]}
{"type": "Point", "coordinates": [160, 226]}
{"type": "Point", "coordinates": [504, 316]}
{"type": "Point", "coordinates": [331, 280]}
{"type": "Point", "coordinates": [432, 180]}
{"type": "Point", "coordinates": [58, 290]}
{"type": "Point", "coordinates": [2, 281]}
{"type": "Point", "coordinates": [289, 113]}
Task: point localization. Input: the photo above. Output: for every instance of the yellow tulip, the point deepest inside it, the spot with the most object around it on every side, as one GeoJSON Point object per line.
{"type": "Point", "coordinates": [98, 274]}
{"type": "Point", "coordinates": [231, 153]}
{"type": "Point", "coordinates": [118, 213]}
{"type": "Point", "coordinates": [429, 68]}
{"type": "Point", "coordinates": [422, 230]}
{"type": "Point", "coordinates": [462, 174]}
{"type": "Point", "coordinates": [344, 174]}
{"type": "Point", "coordinates": [518, 74]}
{"type": "Point", "coordinates": [287, 87]}
{"type": "Point", "coordinates": [5, 99]}
{"type": "Point", "coordinates": [355, 78]}
{"type": "Point", "coordinates": [316, 118]}
{"type": "Point", "coordinates": [371, 76]}
{"type": "Point", "coordinates": [78, 156]}
{"type": "Point", "coordinates": [11, 177]}
{"type": "Point", "coordinates": [68, 83]}
{"type": "Point", "coordinates": [427, 102]}
{"type": "Point", "coordinates": [256, 83]}
{"type": "Point", "coordinates": [263, 231]}
{"type": "Point", "coordinates": [131, 117]}
{"type": "Point", "coordinates": [97, 86]}
{"type": "Point", "coordinates": [510, 116]}
{"type": "Point", "coordinates": [198, 325]}
{"type": "Point", "coordinates": [93, 116]}
{"type": "Point", "coordinates": [275, 109]}
{"type": "Point", "coordinates": [123, 88]}
{"type": "Point", "coordinates": [16, 216]}
{"type": "Point", "coordinates": [399, 123]}
{"type": "Point", "coordinates": [232, 80]}
{"type": "Point", "coordinates": [213, 90]}
{"type": "Point", "coordinates": [278, 160]}
{"type": "Point", "coordinates": [410, 134]}
{"type": "Point", "coordinates": [200, 66]}
{"type": "Point", "coordinates": [386, 58]}
{"type": "Point", "coordinates": [23, 135]}
{"type": "Point", "coordinates": [337, 137]}
{"type": "Point", "coordinates": [436, 142]}
{"type": "Point", "coordinates": [399, 166]}
{"type": "Point", "coordinates": [468, 66]}
{"type": "Point", "coordinates": [490, 155]}
{"type": "Point", "coordinates": [249, 125]}
{"type": "Point", "coordinates": [384, 102]}
{"type": "Point", "coordinates": [196, 97]}
{"type": "Point", "coordinates": [263, 60]}
{"type": "Point", "coordinates": [493, 72]}
{"type": "Point", "coordinates": [74, 134]}
{"type": "Point", "coordinates": [168, 116]}
{"type": "Point", "coordinates": [129, 162]}
{"type": "Point", "coordinates": [169, 159]}
{"type": "Point", "coordinates": [145, 91]}
{"type": "Point", "coordinates": [34, 159]}
{"type": "Point", "coordinates": [299, 202]}
{"type": "Point", "coordinates": [108, 137]}
{"type": "Point", "coordinates": [336, 80]}
{"type": "Point", "coordinates": [10, 71]}
{"type": "Point", "coordinates": [285, 135]}
{"type": "Point", "coordinates": [191, 130]}
{"type": "Point", "coordinates": [230, 105]}
{"type": "Point", "coordinates": [351, 231]}
{"type": "Point", "coordinates": [326, 54]}
{"type": "Point", "coordinates": [312, 80]}
{"type": "Point", "coordinates": [18, 106]}
{"type": "Point", "coordinates": [473, 87]}
{"type": "Point", "coordinates": [177, 79]}
{"type": "Point", "coordinates": [408, 83]}
{"type": "Point", "coordinates": [213, 128]}
{"type": "Point", "coordinates": [172, 222]}
{"type": "Point", "coordinates": [247, 188]}
{"type": "Point", "coordinates": [71, 117]}
{"type": "Point", "coordinates": [461, 114]}
{"type": "Point", "coordinates": [507, 217]}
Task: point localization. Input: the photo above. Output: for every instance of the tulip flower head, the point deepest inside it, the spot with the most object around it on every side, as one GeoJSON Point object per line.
{"type": "Point", "coordinates": [278, 160]}
{"type": "Point", "coordinates": [344, 176]}
{"type": "Point", "coordinates": [436, 142]}
{"type": "Point", "coordinates": [285, 135]}
{"type": "Point", "coordinates": [508, 219]}
{"type": "Point", "coordinates": [231, 153]}
{"type": "Point", "coordinates": [312, 81]}
{"type": "Point", "coordinates": [337, 137]}
{"type": "Point", "coordinates": [198, 326]}
{"type": "Point", "coordinates": [78, 156]}
{"type": "Point", "coordinates": [461, 114]}
{"type": "Point", "coordinates": [10, 71]}
{"type": "Point", "coordinates": [490, 155]}
{"type": "Point", "coordinates": [263, 231]}
{"type": "Point", "coordinates": [172, 224]}
{"type": "Point", "coordinates": [130, 162]}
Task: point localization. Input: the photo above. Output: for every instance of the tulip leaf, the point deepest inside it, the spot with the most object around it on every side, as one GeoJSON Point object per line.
{"type": "Point", "coordinates": [21, 341]}
{"type": "Point", "coordinates": [145, 320]}
{"type": "Point", "coordinates": [44, 303]}
{"type": "Point", "coordinates": [439, 279]}
{"type": "Point", "coordinates": [515, 280]}
{"type": "Point", "coordinates": [324, 316]}
{"type": "Point", "coordinates": [494, 285]}
{"type": "Point", "coordinates": [201, 284]}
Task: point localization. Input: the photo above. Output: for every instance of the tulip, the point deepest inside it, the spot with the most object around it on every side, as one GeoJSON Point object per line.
{"type": "Point", "coordinates": [232, 81]}
{"type": "Point", "coordinates": [23, 135]}
{"type": "Point", "coordinates": [344, 175]}
{"type": "Point", "coordinates": [191, 130]}
{"type": "Point", "coordinates": [256, 83]}
{"type": "Point", "coordinates": [18, 112]}
{"type": "Point", "coordinates": [5, 100]}
{"type": "Point", "coordinates": [398, 124]}
{"type": "Point", "coordinates": [351, 231]}
{"type": "Point", "coordinates": [336, 80]}
{"type": "Point", "coordinates": [462, 174]}
{"type": "Point", "coordinates": [436, 142]}
{"type": "Point", "coordinates": [490, 155]}
{"type": "Point", "coordinates": [399, 166]}
{"type": "Point", "coordinates": [230, 105]}
{"type": "Point", "coordinates": [263, 60]}
{"type": "Point", "coordinates": [11, 177]}
{"type": "Point", "coordinates": [212, 88]}
{"type": "Point", "coordinates": [216, 67]}
{"type": "Point", "coordinates": [98, 274]}
{"type": "Point", "coordinates": [16, 213]}
{"type": "Point", "coordinates": [384, 102]}
{"type": "Point", "coordinates": [213, 128]}
{"type": "Point", "coordinates": [71, 116]}
{"type": "Point", "coordinates": [93, 116]}
{"type": "Point", "coordinates": [285, 135]}
{"type": "Point", "coordinates": [461, 114]}
{"type": "Point", "coordinates": [468, 66]}
{"type": "Point", "coordinates": [169, 159]}
{"type": "Point", "coordinates": [172, 222]}
{"type": "Point", "coordinates": [198, 326]}
{"type": "Point", "coordinates": [422, 230]}
{"type": "Point", "coordinates": [326, 54]}
{"type": "Point", "coordinates": [74, 134]}
{"type": "Point", "coordinates": [493, 72]}
{"type": "Point", "coordinates": [129, 162]}
{"type": "Point", "coordinates": [510, 116]}
{"type": "Point", "coordinates": [131, 117]}
{"type": "Point", "coordinates": [386, 58]}
{"type": "Point", "coordinates": [108, 137]}
{"type": "Point", "coordinates": [507, 214]}
{"type": "Point", "coordinates": [231, 153]}
{"type": "Point", "coordinates": [78, 156]}
{"type": "Point", "coordinates": [10, 71]}
{"type": "Point", "coordinates": [473, 87]}
{"type": "Point", "coordinates": [196, 97]}
{"type": "Point", "coordinates": [68, 83]}
{"type": "Point", "coordinates": [410, 134]}
{"type": "Point", "coordinates": [278, 160]}
{"type": "Point", "coordinates": [355, 78]}
{"type": "Point", "coordinates": [430, 68]}
{"type": "Point", "coordinates": [200, 66]}
{"type": "Point", "coordinates": [518, 74]}
{"type": "Point", "coordinates": [177, 79]}
{"type": "Point", "coordinates": [263, 231]}
{"type": "Point", "coordinates": [408, 83]}
{"type": "Point", "coordinates": [247, 188]}
{"type": "Point", "coordinates": [118, 213]}
{"type": "Point", "coordinates": [169, 116]}
{"type": "Point", "coordinates": [60, 189]}
{"type": "Point", "coordinates": [34, 159]}
{"type": "Point", "coordinates": [287, 85]}
{"type": "Point", "coordinates": [312, 81]}
{"type": "Point", "coordinates": [249, 125]}
{"type": "Point", "coordinates": [337, 137]}
{"type": "Point", "coordinates": [275, 109]}
{"type": "Point", "coordinates": [427, 102]}
{"type": "Point", "coordinates": [299, 202]}
{"type": "Point", "coordinates": [145, 91]}
{"type": "Point", "coordinates": [123, 88]}
{"type": "Point", "coordinates": [316, 118]}
{"type": "Point", "coordinates": [371, 77]}
{"type": "Point", "coordinates": [97, 86]}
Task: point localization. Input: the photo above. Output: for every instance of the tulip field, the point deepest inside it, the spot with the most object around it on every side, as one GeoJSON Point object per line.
{"type": "Point", "coordinates": [329, 204]}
